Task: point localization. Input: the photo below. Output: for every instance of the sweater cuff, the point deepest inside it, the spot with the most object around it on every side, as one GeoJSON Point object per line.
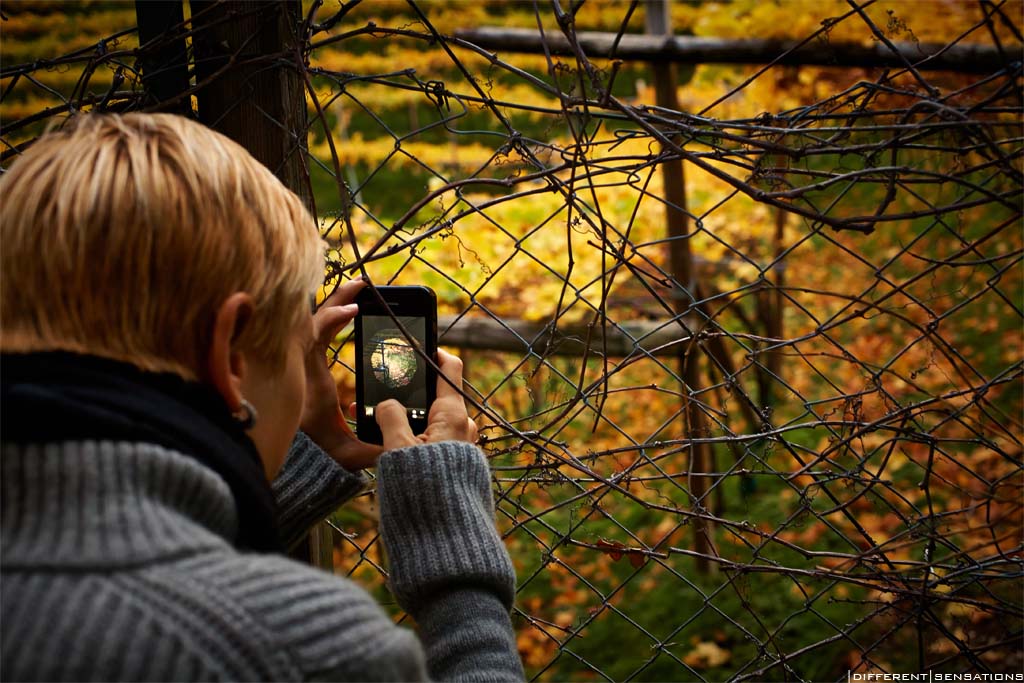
{"type": "Point", "coordinates": [437, 523]}
{"type": "Point", "coordinates": [309, 487]}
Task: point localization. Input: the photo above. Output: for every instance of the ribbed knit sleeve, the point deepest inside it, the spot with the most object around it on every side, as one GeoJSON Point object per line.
{"type": "Point", "coordinates": [309, 487]}
{"type": "Point", "coordinates": [448, 566]}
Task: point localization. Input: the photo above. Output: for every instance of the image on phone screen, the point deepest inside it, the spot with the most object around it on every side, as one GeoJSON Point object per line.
{"type": "Point", "coordinates": [392, 368]}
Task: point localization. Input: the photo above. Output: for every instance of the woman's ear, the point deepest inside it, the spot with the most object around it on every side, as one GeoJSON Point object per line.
{"type": "Point", "coordinates": [225, 363]}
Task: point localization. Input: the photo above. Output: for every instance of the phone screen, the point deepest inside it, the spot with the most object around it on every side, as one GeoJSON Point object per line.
{"type": "Point", "coordinates": [391, 366]}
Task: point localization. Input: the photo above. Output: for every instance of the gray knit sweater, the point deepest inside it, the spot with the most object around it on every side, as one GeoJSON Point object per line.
{"type": "Point", "coordinates": [117, 564]}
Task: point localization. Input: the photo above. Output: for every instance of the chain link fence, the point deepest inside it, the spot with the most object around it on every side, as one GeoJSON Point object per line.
{"type": "Point", "coordinates": [744, 343]}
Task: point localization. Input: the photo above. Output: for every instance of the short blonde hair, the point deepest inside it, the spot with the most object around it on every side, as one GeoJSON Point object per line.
{"type": "Point", "coordinates": [122, 235]}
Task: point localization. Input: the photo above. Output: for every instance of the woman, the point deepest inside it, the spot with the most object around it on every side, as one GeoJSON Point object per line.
{"type": "Point", "coordinates": [159, 356]}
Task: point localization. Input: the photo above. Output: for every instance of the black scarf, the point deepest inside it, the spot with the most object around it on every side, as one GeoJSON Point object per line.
{"type": "Point", "coordinates": [57, 396]}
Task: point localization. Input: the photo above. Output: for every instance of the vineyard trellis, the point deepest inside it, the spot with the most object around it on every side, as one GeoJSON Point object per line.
{"type": "Point", "coordinates": [749, 379]}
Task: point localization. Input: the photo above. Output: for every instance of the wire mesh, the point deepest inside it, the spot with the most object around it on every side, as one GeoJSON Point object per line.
{"type": "Point", "coordinates": [747, 365]}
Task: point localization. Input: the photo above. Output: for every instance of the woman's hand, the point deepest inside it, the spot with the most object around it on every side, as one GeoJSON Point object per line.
{"type": "Point", "coordinates": [322, 418]}
{"type": "Point", "coordinates": [447, 421]}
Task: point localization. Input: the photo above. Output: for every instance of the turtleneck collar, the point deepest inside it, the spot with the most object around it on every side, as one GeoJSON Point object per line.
{"type": "Point", "coordinates": [57, 398]}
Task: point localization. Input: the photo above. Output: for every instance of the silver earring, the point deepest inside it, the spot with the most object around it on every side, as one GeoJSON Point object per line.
{"type": "Point", "coordinates": [248, 415]}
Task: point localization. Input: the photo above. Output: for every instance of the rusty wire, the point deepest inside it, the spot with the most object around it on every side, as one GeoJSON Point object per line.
{"type": "Point", "coordinates": [789, 450]}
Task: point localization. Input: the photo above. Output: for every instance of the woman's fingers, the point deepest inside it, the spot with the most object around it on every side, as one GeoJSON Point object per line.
{"type": "Point", "coordinates": [345, 293]}
{"type": "Point", "coordinates": [448, 418]}
{"type": "Point", "coordinates": [451, 368]}
{"type": "Point", "coordinates": [329, 321]}
{"type": "Point", "coordinates": [322, 417]}
{"type": "Point", "coordinates": [394, 425]}
{"type": "Point", "coordinates": [336, 312]}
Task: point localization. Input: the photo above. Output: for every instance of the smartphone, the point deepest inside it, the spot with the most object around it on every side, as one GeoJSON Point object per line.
{"type": "Point", "coordinates": [396, 331]}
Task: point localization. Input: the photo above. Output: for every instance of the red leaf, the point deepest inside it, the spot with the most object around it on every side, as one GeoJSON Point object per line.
{"type": "Point", "coordinates": [613, 548]}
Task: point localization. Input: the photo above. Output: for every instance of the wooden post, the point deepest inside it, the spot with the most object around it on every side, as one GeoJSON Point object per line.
{"type": "Point", "coordinates": [163, 58]}
{"type": "Point", "coordinates": [250, 83]}
{"type": "Point", "coordinates": [770, 303]}
{"type": "Point", "coordinates": [681, 263]}
{"type": "Point", "coordinates": [250, 88]}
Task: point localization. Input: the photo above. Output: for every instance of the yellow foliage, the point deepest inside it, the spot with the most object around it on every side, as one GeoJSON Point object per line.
{"type": "Point", "coordinates": [707, 655]}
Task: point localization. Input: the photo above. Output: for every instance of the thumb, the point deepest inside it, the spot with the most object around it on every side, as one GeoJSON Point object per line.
{"type": "Point", "coordinates": [394, 425]}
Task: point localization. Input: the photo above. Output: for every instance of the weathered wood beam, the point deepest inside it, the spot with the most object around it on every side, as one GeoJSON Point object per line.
{"type": "Point", "coordinates": [163, 54]}
{"type": "Point", "coordinates": [245, 52]}
{"type": "Point", "coordinates": [570, 339]}
{"type": "Point", "coordinates": [677, 226]}
{"type": "Point", "coordinates": [962, 57]}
